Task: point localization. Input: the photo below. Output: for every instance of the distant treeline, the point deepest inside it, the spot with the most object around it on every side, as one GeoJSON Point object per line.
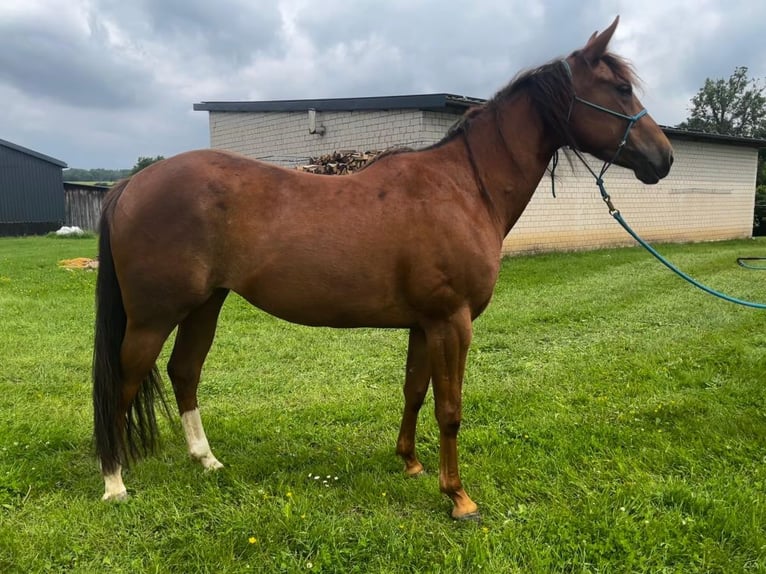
{"type": "Point", "coordinates": [100, 175]}
{"type": "Point", "coordinates": [95, 175]}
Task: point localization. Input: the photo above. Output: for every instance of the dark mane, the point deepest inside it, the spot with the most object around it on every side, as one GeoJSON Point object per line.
{"type": "Point", "coordinates": [394, 150]}
{"type": "Point", "coordinates": [454, 131]}
{"type": "Point", "coordinates": [621, 68]}
{"type": "Point", "coordinates": [550, 91]}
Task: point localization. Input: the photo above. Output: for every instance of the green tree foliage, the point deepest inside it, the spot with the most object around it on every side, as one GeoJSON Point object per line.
{"type": "Point", "coordinates": [95, 175]}
{"type": "Point", "coordinates": [759, 222]}
{"type": "Point", "coordinates": [109, 175]}
{"type": "Point", "coordinates": [144, 162]}
{"type": "Point", "coordinates": [736, 106]}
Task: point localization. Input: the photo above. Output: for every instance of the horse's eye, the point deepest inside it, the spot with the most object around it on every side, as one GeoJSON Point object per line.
{"type": "Point", "coordinates": [625, 89]}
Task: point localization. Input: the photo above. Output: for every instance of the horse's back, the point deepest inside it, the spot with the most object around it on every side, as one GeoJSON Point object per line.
{"type": "Point", "coordinates": [367, 249]}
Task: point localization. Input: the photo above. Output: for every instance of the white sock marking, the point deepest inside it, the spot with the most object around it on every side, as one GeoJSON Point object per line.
{"type": "Point", "coordinates": [114, 489]}
{"type": "Point", "coordinates": [197, 441]}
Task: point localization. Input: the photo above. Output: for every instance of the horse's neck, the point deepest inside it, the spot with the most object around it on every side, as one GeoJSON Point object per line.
{"type": "Point", "coordinates": [510, 152]}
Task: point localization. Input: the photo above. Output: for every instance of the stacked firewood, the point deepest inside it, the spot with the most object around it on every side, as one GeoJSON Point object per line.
{"type": "Point", "coordinates": [339, 162]}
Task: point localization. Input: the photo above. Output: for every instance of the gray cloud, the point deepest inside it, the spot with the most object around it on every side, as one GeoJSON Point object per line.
{"type": "Point", "coordinates": [99, 82]}
{"type": "Point", "coordinates": [229, 32]}
{"type": "Point", "coordinates": [63, 65]}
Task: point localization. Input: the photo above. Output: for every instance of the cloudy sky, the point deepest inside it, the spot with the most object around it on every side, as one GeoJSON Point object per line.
{"type": "Point", "coordinates": [97, 83]}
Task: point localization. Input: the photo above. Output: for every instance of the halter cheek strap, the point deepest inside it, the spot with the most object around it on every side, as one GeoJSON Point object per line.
{"type": "Point", "coordinates": [630, 119]}
{"type": "Point", "coordinates": [631, 122]}
{"type": "Point", "coordinates": [614, 212]}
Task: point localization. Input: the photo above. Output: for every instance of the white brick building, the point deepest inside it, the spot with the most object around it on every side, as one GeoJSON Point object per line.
{"type": "Point", "coordinates": [709, 194]}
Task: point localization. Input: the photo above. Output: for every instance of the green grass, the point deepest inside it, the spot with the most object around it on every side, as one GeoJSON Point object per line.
{"type": "Point", "coordinates": [614, 421]}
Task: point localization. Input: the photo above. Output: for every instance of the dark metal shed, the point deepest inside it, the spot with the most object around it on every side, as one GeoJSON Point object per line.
{"type": "Point", "coordinates": [31, 191]}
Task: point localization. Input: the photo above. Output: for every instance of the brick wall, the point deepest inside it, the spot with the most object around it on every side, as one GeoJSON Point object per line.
{"type": "Point", "coordinates": [283, 138]}
{"type": "Point", "coordinates": [709, 194]}
{"type": "Point", "coordinates": [436, 124]}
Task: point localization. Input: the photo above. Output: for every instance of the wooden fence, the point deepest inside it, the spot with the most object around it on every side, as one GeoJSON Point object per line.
{"type": "Point", "coordinates": [83, 205]}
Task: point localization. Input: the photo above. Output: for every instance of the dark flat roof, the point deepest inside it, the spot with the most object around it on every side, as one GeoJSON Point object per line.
{"type": "Point", "coordinates": [683, 134]}
{"type": "Point", "coordinates": [92, 186]}
{"type": "Point", "coordinates": [33, 153]}
{"type": "Point", "coordinates": [430, 102]}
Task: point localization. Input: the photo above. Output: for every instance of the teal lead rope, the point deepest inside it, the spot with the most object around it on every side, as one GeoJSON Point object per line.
{"type": "Point", "coordinates": [614, 212]}
{"type": "Point", "coordinates": [743, 262]}
{"type": "Point", "coordinates": [618, 217]}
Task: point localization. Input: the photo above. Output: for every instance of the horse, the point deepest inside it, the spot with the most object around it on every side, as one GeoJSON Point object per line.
{"type": "Point", "coordinates": [413, 241]}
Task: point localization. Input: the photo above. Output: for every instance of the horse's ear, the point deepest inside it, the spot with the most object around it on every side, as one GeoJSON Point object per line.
{"type": "Point", "coordinates": [596, 46]}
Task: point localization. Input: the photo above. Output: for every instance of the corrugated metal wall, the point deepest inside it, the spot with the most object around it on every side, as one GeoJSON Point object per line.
{"type": "Point", "coordinates": [31, 192]}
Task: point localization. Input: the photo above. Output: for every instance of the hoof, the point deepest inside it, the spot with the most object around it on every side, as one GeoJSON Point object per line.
{"type": "Point", "coordinates": [212, 466]}
{"type": "Point", "coordinates": [416, 469]}
{"type": "Point", "coordinates": [470, 517]}
{"type": "Point", "coordinates": [115, 497]}
{"type": "Point", "coordinates": [464, 509]}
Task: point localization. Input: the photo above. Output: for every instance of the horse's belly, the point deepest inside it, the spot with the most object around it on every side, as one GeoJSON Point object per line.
{"type": "Point", "coordinates": [329, 302]}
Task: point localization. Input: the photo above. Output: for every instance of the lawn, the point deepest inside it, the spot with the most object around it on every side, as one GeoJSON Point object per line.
{"type": "Point", "coordinates": [614, 421]}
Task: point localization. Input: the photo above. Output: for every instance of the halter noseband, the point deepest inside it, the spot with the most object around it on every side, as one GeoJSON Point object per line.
{"type": "Point", "coordinates": [630, 119]}
{"type": "Point", "coordinates": [631, 122]}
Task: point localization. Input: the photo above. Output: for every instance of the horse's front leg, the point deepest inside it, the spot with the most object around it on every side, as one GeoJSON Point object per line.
{"type": "Point", "coordinates": [448, 343]}
{"type": "Point", "coordinates": [416, 382]}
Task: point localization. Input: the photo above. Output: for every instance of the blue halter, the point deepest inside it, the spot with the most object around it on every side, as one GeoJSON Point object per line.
{"type": "Point", "coordinates": [630, 119]}
{"type": "Point", "coordinates": [615, 213]}
{"type": "Point", "coordinates": [631, 122]}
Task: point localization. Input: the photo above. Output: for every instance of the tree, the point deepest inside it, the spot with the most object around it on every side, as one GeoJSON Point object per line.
{"type": "Point", "coordinates": [95, 175]}
{"type": "Point", "coordinates": [735, 107]}
{"type": "Point", "coordinates": [759, 223]}
{"type": "Point", "coordinates": [144, 162]}
{"type": "Point", "coordinates": [760, 178]}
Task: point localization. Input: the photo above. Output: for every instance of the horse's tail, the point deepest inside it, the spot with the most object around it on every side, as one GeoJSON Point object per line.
{"type": "Point", "coordinates": [117, 441]}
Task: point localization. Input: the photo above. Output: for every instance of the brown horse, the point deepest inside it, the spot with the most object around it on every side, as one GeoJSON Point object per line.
{"type": "Point", "coordinates": [413, 241]}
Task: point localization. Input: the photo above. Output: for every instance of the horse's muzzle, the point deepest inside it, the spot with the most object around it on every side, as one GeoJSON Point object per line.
{"type": "Point", "coordinates": [649, 168]}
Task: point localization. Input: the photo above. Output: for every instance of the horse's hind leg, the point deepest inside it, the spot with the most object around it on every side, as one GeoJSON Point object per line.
{"type": "Point", "coordinates": [415, 388]}
{"type": "Point", "coordinates": [140, 348]}
{"type": "Point", "coordinates": [193, 341]}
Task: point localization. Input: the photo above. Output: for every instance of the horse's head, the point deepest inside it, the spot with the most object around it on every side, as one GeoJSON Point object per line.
{"type": "Point", "coordinates": [606, 119]}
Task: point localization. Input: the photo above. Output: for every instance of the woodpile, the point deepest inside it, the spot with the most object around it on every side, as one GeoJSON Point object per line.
{"type": "Point", "coordinates": [339, 162]}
